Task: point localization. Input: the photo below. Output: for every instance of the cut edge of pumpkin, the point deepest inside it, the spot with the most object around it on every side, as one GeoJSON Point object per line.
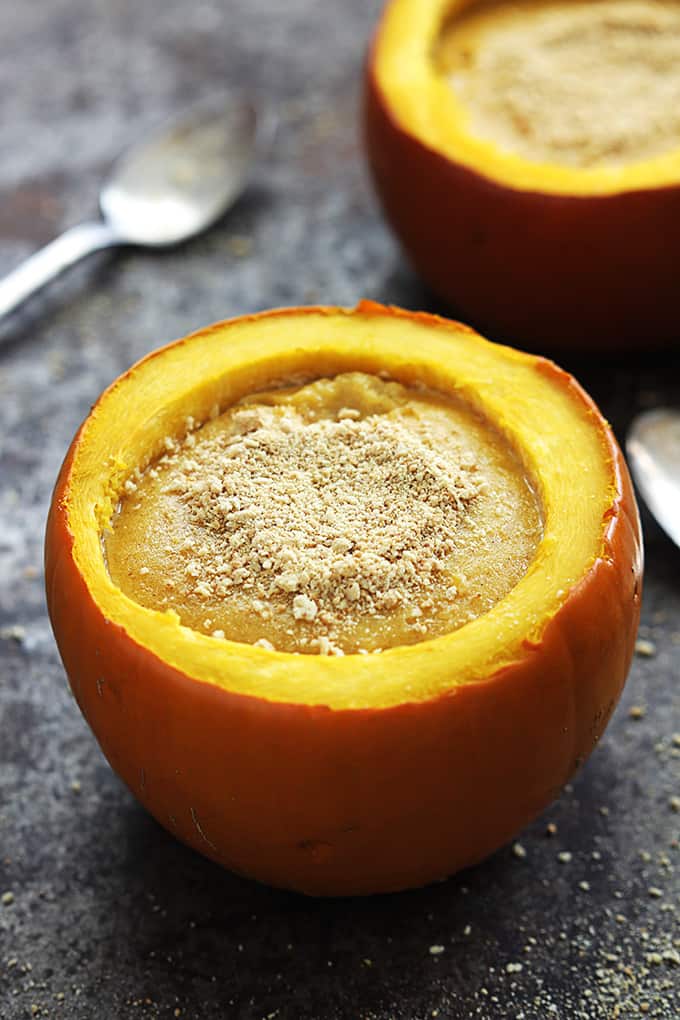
{"type": "Point", "coordinates": [565, 443]}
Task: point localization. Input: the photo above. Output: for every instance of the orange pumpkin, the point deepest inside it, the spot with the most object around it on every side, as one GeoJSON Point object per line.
{"type": "Point", "coordinates": [537, 253]}
{"type": "Point", "coordinates": [367, 773]}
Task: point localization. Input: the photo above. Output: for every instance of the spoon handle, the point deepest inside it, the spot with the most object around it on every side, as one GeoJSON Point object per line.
{"type": "Point", "coordinates": [53, 259]}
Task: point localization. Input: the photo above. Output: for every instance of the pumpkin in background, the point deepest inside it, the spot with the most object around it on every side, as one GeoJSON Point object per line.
{"type": "Point", "coordinates": [534, 251]}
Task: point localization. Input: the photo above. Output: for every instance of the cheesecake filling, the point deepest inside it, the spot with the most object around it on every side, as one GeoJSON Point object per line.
{"type": "Point", "coordinates": [344, 515]}
{"type": "Point", "coordinates": [579, 83]}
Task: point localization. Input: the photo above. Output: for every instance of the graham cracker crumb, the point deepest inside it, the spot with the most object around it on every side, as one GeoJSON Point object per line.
{"type": "Point", "coordinates": [321, 518]}
{"type": "Point", "coordinates": [580, 85]}
{"type": "Point", "coordinates": [647, 649]}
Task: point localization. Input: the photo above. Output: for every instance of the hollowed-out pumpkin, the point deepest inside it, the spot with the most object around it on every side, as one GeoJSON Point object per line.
{"type": "Point", "coordinates": [360, 773]}
{"type": "Point", "coordinates": [539, 248]}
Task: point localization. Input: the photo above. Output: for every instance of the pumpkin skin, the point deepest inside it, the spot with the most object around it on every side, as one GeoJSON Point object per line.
{"type": "Point", "coordinates": [538, 263]}
{"type": "Point", "coordinates": [359, 774]}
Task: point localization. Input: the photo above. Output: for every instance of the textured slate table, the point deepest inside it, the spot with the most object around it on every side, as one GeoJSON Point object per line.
{"type": "Point", "coordinates": [103, 915]}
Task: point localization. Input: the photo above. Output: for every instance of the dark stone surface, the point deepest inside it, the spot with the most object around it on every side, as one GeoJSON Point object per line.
{"type": "Point", "coordinates": [111, 918]}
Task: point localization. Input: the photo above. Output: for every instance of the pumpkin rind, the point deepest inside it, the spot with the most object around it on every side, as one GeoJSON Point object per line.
{"type": "Point", "coordinates": [526, 265]}
{"type": "Point", "coordinates": [352, 801]}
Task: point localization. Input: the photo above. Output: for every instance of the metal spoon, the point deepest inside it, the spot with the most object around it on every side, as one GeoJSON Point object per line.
{"type": "Point", "coordinates": [653, 448]}
{"type": "Point", "coordinates": [162, 191]}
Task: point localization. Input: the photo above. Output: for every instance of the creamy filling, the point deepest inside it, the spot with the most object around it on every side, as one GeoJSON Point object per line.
{"type": "Point", "coordinates": [346, 515]}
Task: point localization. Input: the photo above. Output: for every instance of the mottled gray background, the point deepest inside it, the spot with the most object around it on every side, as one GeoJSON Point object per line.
{"type": "Point", "coordinates": [103, 915]}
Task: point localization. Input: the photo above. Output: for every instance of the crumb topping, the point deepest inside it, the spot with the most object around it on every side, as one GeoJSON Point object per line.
{"type": "Point", "coordinates": [580, 84]}
{"type": "Point", "coordinates": [324, 517]}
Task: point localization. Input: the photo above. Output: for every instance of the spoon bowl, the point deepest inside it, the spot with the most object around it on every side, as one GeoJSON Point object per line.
{"type": "Point", "coordinates": [161, 192]}
{"type": "Point", "coordinates": [653, 448]}
{"type": "Point", "coordinates": [184, 177]}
